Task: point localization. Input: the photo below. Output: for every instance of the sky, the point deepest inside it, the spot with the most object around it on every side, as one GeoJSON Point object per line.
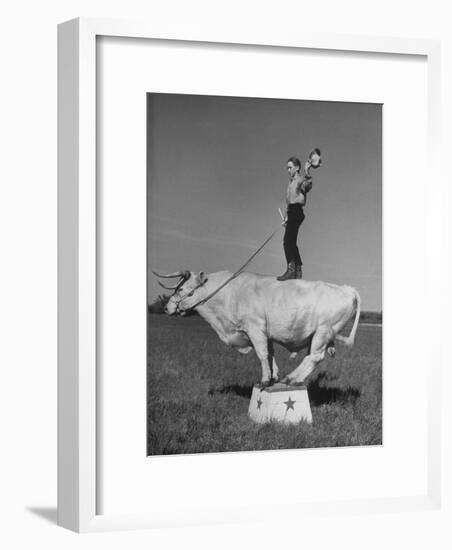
{"type": "Point", "coordinates": [217, 176]}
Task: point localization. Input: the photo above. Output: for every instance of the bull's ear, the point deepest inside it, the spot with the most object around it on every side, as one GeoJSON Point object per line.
{"type": "Point", "coordinates": [202, 277]}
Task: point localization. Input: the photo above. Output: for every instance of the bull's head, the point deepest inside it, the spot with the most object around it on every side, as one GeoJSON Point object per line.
{"type": "Point", "coordinates": [188, 291]}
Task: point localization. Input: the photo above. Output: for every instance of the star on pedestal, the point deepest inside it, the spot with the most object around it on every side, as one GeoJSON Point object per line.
{"type": "Point", "coordinates": [289, 404]}
{"type": "Point", "coordinates": [259, 403]}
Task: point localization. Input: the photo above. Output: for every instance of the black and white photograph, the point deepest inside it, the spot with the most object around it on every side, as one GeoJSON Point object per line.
{"type": "Point", "coordinates": [228, 227]}
{"type": "Point", "coordinates": [264, 274]}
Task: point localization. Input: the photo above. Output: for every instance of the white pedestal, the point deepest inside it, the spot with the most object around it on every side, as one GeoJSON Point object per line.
{"type": "Point", "coordinates": [281, 402]}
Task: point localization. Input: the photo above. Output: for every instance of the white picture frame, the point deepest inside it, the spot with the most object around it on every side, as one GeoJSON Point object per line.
{"type": "Point", "coordinates": [78, 408]}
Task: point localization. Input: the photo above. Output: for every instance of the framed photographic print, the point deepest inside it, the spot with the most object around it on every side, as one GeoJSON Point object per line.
{"type": "Point", "coordinates": [232, 154]}
{"type": "Point", "coordinates": [271, 184]}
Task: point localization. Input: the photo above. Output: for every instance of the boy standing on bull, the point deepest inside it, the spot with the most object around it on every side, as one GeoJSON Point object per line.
{"type": "Point", "coordinates": [297, 189]}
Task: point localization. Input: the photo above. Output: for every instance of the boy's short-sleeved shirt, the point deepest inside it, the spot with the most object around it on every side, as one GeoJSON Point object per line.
{"type": "Point", "coordinates": [297, 189]}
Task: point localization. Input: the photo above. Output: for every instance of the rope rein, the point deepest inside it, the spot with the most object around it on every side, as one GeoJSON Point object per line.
{"type": "Point", "coordinates": [239, 270]}
{"type": "Point", "coordinates": [314, 161]}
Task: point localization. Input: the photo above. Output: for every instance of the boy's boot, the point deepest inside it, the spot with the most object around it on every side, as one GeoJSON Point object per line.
{"type": "Point", "coordinates": [289, 274]}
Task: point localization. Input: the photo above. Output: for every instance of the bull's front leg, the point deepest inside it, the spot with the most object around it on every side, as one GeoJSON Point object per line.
{"type": "Point", "coordinates": [273, 366]}
{"type": "Point", "coordinates": [260, 344]}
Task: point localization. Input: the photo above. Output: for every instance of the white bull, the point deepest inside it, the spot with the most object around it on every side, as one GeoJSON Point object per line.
{"type": "Point", "coordinates": [255, 311]}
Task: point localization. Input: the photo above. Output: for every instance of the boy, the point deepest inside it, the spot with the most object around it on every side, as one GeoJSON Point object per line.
{"type": "Point", "coordinates": [296, 199]}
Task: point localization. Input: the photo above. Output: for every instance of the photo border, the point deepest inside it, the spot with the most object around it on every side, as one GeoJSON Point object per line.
{"type": "Point", "coordinates": [77, 266]}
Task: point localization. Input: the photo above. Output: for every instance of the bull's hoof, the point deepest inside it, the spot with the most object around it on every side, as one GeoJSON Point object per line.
{"type": "Point", "coordinates": [290, 382]}
{"type": "Point", "coordinates": [266, 384]}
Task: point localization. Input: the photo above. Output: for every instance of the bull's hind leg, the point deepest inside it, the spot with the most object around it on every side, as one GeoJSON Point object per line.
{"type": "Point", "coordinates": [322, 337]}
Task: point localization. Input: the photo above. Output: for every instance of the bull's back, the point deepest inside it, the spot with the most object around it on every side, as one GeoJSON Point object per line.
{"type": "Point", "coordinates": [293, 309]}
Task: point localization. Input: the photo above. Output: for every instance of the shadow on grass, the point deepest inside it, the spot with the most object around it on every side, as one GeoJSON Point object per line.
{"type": "Point", "coordinates": [320, 394]}
{"type": "Point", "coordinates": [242, 391]}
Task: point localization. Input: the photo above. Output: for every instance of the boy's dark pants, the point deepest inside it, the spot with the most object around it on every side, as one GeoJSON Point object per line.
{"type": "Point", "coordinates": [295, 217]}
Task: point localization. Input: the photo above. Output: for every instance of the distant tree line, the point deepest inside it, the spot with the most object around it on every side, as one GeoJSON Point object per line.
{"type": "Point", "coordinates": [158, 305]}
{"type": "Point", "coordinates": [371, 317]}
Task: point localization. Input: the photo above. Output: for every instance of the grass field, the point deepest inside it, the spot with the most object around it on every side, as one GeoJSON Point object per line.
{"type": "Point", "coordinates": [199, 390]}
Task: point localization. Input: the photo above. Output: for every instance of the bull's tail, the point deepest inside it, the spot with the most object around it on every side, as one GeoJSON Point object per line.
{"type": "Point", "coordinates": [350, 339]}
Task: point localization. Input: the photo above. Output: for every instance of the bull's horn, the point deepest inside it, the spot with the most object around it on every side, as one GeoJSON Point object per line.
{"type": "Point", "coordinates": [168, 287]}
{"type": "Point", "coordinates": [171, 275]}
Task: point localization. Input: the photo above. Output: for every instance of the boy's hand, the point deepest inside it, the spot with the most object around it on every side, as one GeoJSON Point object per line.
{"type": "Point", "coordinates": [306, 186]}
